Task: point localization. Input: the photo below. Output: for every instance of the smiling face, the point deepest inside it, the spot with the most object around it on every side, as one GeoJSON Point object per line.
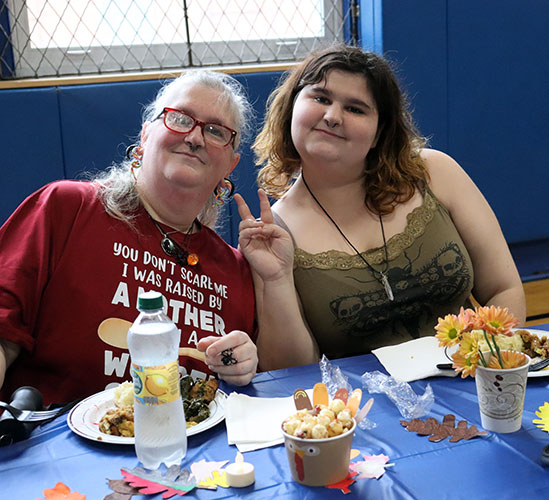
{"type": "Point", "coordinates": [182, 163]}
{"type": "Point", "coordinates": [335, 121]}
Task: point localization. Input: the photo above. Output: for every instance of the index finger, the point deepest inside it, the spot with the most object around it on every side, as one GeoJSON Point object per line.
{"type": "Point", "coordinates": [265, 207]}
{"type": "Point", "coordinates": [243, 208]}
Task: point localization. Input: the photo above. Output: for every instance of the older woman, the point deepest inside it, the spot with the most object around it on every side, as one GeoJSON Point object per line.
{"type": "Point", "coordinates": [75, 255]}
{"type": "Point", "coordinates": [384, 235]}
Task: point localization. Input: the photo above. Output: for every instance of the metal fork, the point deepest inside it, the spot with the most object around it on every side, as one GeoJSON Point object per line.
{"type": "Point", "coordinates": [539, 365]}
{"type": "Point", "coordinates": [32, 415]}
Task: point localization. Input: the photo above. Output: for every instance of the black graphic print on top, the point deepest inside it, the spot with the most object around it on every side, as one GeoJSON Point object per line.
{"type": "Point", "coordinates": [443, 279]}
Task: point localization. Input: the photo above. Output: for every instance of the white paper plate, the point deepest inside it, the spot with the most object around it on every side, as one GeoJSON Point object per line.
{"type": "Point", "coordinates": [84, 418]}
{"type": "Point", "coordinates": [540, 333]}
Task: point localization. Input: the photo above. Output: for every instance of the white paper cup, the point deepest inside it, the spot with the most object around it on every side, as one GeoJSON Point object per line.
{"type": "Point", "coordinates": [501, 396]}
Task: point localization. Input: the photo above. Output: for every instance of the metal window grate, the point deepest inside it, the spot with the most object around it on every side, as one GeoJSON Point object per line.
{"type": "Point", "coordinates": [40, 38]}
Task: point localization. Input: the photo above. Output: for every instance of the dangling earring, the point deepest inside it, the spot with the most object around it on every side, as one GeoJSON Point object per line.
{"type": "Point", "coordinates": [223, 192]}
{"type": "Point", "coordinates": [135, 154]}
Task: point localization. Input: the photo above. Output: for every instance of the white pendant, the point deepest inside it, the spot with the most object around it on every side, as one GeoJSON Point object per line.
{"type": "Point", "coordinates": [387, 286]}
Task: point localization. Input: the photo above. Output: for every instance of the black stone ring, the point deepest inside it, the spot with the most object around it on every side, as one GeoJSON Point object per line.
{"type": "Point", "coordinates": [227, 357]}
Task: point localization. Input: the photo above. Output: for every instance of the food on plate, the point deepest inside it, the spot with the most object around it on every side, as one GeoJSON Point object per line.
{"type": "Point", "coordinates": [534, 346]}
{"type": "Point", "coordinates": [118, 422]}
{"type": "Point", "coordinates": [505, 343]}
{"type": "Point", "coordinates": [123, 394]}
{"type": "Point", "coordinates": [320, 422]}
{"type": "Point", "coordinates": [197, 396]}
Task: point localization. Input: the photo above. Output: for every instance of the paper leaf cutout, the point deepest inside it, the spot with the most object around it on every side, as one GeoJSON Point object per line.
{"type": "Point", "coordinates": [61, 492]}
{"type": "Point", "coordinates": [122, 490]}
{"type": "Point", "coordinates": [372, 467]}
{"type": "Point", "coordinates": [174, 482]}
{"type": "Point", "coordinates": [344, 485]}
{"type": "Point", "coordinates": [354, 453]}
{"type": "Point", "coordinates": [203, 470]}
{"type": "Point", "coordinates": [438, 432]}
{"type": "Point", "coordinates": [543, 421]}
{"type": "Point", "coordinates": [219, 478]}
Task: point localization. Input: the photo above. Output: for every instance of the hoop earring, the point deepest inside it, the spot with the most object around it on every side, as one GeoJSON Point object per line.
{"type": "Point", "coordinates": [223, 192]}
{"type": "Point", "coordinates": [135, 154]}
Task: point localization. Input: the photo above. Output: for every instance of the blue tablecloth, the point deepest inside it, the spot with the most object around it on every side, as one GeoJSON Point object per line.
{"type": "Point", "coordinates": [497, 466]}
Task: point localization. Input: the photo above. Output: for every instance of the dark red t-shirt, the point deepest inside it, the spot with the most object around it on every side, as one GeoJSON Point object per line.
{"type": "Point", "coordinates": [66, 265]}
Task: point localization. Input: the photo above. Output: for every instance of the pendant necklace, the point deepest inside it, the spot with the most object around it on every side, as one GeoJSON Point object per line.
{"type": "Point", "coordinates": [174, 249]}
{"type": "Point", "coordinates": [380, 276]}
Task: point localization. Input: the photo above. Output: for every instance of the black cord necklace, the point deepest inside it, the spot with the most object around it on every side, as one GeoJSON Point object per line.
{"type": "Point", "coordinates": [380, 276]}
{"type": "Point", "coordinates": [174, 249]}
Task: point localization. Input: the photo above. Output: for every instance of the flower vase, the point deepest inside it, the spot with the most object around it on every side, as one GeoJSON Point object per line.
{"type": "Point", "coordinates": [501, 395]}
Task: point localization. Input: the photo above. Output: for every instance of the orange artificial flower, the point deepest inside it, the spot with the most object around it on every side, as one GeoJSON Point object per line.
{"type": "Point", "coordinates": [511, 359]}
{"type": "Point", "coordinates": [495, 320]}
{"type": "Point", "coordinates": [467, 317]}
{"type": "Point", "coordinates": [468, 328]}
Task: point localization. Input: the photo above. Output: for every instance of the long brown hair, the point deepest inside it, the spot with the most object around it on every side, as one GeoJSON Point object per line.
{"type": "Point", "coordinates": [393, 167]}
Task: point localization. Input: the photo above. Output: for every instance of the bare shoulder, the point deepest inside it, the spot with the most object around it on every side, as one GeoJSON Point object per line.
{"type": "Point", "coordinates": [287, 208]}
{"type": "Point", "coordinates": [447, 177]}
{"type": "Point", "coordinates": [440, 164]}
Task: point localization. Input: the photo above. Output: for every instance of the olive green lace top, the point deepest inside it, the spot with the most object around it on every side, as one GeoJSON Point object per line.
{"type": "Point", "coordinates": [346, 307]}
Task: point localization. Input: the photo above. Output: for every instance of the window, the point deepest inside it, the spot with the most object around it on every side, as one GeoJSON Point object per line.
{"type": "Point", "coordinates": [76, 37]}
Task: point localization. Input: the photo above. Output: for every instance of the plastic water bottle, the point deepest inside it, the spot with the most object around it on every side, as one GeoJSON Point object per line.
{"type": "Point", "coordinates": [159, 418]}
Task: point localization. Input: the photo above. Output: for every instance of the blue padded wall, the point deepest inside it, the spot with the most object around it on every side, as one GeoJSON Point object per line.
{"type": "Point", "coordinates": [98, 122]}
{"type": "Point", "coordinates": [32, 144]}
{"type": "Point", "coordinates": [258, 87]}
{"type": "Point", "coordinates": [498, 107]}
{"type": "Point", "coordinates": [477, 74]}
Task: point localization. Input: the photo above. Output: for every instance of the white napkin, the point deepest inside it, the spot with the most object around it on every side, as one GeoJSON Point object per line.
{"type": "Point", "coordinates": [254, 423]}
{"type": "Point", "coordinates": [414, 360]}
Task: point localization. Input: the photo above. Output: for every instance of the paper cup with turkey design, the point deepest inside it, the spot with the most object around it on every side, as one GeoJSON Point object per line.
{"type": "Point", "coordinates": [319, 462]}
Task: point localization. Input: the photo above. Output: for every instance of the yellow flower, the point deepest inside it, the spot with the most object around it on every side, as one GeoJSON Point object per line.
{"type": "Point", "coordinates": [543, 414]}
{"type": "Point", "coordinates": [496, 320]}
{"type": "Point", "coordinates": [464, 364]}
{"type": "Point", "coordinates": [469, 345]}
{"type": "Point", "coordinates": [449, 330]}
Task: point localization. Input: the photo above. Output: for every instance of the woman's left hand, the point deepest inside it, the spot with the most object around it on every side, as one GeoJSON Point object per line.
{"type": "Point", "coordinates": [233, 357]}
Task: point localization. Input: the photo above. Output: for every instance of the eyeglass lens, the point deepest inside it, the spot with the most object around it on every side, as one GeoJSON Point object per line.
{"type": "Point", "coordinates": [183, 123]}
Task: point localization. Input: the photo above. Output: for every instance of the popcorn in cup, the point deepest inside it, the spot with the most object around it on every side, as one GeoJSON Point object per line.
{"type": "Point", "coordinates": [318, 444]}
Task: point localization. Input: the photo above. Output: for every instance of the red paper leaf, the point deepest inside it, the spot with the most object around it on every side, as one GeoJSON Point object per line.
{"type": "Point", "coordinates": [174, 482]}
{"type": "Point", "coordinates": [344, 485]}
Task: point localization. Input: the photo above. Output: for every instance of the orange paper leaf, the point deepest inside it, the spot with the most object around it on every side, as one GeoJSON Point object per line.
{"type": "Point", "coordinates": [61, 492]}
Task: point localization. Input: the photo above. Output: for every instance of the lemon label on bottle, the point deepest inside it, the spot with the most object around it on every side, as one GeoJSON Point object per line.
{"type": "Point", "coordinates": [155, 385]}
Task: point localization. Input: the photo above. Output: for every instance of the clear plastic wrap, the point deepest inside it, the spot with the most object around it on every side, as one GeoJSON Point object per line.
{"type": "Point", "coordinates": [333, 379]}
{"type": "Point", "coordinates": [409, 404]}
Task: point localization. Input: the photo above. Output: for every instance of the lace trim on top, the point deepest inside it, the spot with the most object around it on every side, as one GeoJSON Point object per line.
{"type": "Point", "coordinates": [417, 221]}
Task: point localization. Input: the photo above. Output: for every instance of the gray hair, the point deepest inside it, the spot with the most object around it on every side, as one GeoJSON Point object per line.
{"type": "Point", "coordinates": [117, 187]}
